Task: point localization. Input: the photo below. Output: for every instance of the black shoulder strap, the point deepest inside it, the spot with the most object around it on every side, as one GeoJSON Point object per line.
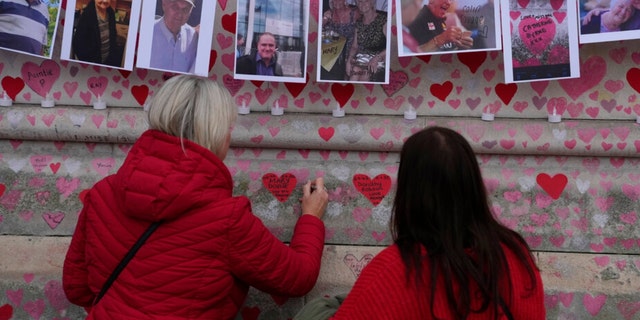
{"type": "Point", "coordinates": [505, 308]}
{"type": "Point", "coordinates": [126, 259]}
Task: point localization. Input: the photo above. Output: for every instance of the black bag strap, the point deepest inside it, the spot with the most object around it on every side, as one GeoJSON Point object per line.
{"type": "Point", "coordinates": [505, 308]}
{"type": "Point", "coordinates": [125, 260]}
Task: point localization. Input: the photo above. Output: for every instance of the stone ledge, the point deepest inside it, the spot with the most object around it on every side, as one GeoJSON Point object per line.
{"type": "Point", "coordinates": [595, 286]}
{"type": "Point", "coordinates": [611, 138]}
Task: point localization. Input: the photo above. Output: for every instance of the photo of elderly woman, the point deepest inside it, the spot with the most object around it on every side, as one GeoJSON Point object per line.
{"type": "Point", "coordinates": [609, 20]}
{"type": "Point", "coordinates": [101, 32]}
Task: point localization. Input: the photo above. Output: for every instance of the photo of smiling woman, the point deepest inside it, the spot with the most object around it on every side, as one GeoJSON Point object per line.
{"type": "Point", "coordinates": [275, 41]}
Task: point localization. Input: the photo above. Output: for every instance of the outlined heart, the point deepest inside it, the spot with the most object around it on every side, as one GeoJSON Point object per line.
{"type": "Point", "coordinates": [12, 86]}
{"type": "Point", "coordinates": [373, 189]}
{"type": "Point", "coordinates": [357, 265]}
{"type": "Point", "coordinates": [280, 187]}
{"type": "Point", "coordinates": [552, 185]}
{"type": "Point", "coordinates": [40, 78]}
{"type": "Point", "coordinates": [342, 92]}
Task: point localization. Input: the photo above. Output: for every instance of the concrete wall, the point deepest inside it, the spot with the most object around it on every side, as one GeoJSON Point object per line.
{"type": "Point", "coordinates": [571, 188]}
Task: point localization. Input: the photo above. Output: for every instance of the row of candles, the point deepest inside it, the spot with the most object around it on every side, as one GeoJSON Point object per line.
{"type": "Point", "coordinates": [409, 114]}
{"type": "Point", "coordinates": [276, 110]}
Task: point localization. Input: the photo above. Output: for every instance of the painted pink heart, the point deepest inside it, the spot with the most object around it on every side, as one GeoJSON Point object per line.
{"type": "Point", "coordinates": [40, 78]}
{"type": "Point", "coordinates": [597, 67]}
{"type": "Point", "coordinates": [537, 34]}
{"type": "Point", "coordinates": [70, 88]}
{"type": "Point", "coordinates": [97, 85]}
{"type": "Point", "coordinates": [53, 219]}
{"type": "Point", "coordinates": [233, 85]}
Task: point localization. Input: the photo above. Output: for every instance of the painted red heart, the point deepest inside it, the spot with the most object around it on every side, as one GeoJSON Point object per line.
{"type": "Point", "coordinates": [441, 91]}
{"type": "Point", "coordinates": [473, 60]}
{"type": "Point", "coordinates": [373, 189]}
{"type": "Point", "coordinates": [281, 187]}
{"type": "Point", "coordinates": [633, 77]}
{"type": "Point", "coordinates": [6, 312]}
{"type": "Point", "coordinates": [506, 91]}
{"type": "Point", "coordinates": [296, 88]}
{"type": "Point", "coordinates": [424, 58]}
{"type": "Point", "coordinates": [140, 93]}
{"type": "Point", "coordinates": [257, 83]}
{"type": "Point", "coordinates": [552, 185]}
{"type": "Point", "coordinates": [212, 59]}
{"type": "Point", "coordinates": [125, 73]}
{"type": "Point", "coordinates": [342, 92]}
{"type": "Point", "coordinates": [12, 86]}
{"type": "Point", "coordinates": [326, 133]}
{"type": "Point", "coordinates": [3, 188]}
{"type": "Point", "coordinates": [229, 22]}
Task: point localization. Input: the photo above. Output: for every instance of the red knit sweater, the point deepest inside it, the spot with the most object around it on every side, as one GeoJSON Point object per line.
{"type": "Point", "coordinates": [381, 292]}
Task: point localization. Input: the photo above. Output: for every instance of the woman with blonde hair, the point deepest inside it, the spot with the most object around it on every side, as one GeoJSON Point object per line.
{"type": "Point", "coordinates": [208, 247]}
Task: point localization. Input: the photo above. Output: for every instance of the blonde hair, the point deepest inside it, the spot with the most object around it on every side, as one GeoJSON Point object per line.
{"type": "Point", "coordinates": [193, 108]}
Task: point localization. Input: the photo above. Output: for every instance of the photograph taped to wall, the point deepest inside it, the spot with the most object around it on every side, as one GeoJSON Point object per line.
{"type": "Point", "coordinates": [275, 40]}
{"type": "Point", "coordinates": [540, 40]}
{"type": "Point", "coordinates": [609, 20]}
{"type": "Point", "coordinates": [29, 26]}
{"type": "Point", "coordinates": [443, 26]}
{"type": "Point", "coordinates": [179, 41]}
{"type": "Point", "coordinates": [354, 41]}
{"type": "Point", "coordinates": [101, 32]}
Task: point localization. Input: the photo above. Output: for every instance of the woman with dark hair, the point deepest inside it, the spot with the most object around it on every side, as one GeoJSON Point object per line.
{"type": "Point", "coordinates": [451, 258]}
{"type": "Point", "coordinates": [95, 37]}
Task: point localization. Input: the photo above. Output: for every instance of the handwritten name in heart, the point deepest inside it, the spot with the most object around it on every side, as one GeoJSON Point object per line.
{"type": "Point", "coordinates": [373, 189]}
{"type": "Point", "coordinates": [281, 187]}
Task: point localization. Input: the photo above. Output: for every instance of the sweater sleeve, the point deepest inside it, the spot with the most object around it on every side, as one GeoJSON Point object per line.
{"type": "Point", "coordinates": [259, 259]}
{"type": "Point", "coordinates": [75, 274]}
{"type": "Point", "coordinates": [380, 291]}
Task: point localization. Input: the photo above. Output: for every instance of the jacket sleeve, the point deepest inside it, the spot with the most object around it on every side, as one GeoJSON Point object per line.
{"type": "Point", "coordinates": [83, 43]}
{"type": "Point", "coordinates": [261, 260]}
{"type": "Point", "coordinates": [75, 273]}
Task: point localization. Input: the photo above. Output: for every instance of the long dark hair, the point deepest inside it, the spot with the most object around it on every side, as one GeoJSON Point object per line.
{"type": "Point", "coordinates": [441, 206]}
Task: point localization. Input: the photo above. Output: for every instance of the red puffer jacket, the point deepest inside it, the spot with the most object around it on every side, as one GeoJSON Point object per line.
{"type": "Point", "coordinates": [201, 261]}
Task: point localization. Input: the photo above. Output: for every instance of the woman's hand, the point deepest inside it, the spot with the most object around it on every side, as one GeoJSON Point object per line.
{"type": "Point", "coordinates": [314, 198]}
{"type": "Point", "coordinates": [373, 63]}
{"type": "Point", "coordinates": [595, 12]}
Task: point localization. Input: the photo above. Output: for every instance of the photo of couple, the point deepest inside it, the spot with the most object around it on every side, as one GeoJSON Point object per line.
{"type": "Point", "coordinates": [609, 20]}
